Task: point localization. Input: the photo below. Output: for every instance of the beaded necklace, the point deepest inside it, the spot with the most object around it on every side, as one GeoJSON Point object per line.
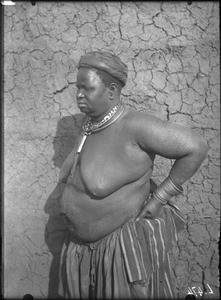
{"type": "Point", "coordinates": [88, 128]}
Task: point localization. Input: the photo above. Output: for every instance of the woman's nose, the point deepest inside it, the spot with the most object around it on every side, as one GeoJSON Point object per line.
{"type": "Point", "coordinates": [80, 95]}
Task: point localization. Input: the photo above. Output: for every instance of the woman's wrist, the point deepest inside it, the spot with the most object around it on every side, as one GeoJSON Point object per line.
{"type": "Point", "coordinates": [158, 200]}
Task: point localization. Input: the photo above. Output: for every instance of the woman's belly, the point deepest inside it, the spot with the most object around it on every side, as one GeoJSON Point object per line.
{"type": "Point", "coordinates": [91, 219]}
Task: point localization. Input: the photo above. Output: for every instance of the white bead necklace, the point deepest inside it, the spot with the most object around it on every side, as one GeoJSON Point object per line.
{"type": "Point", "coordinates": [88, 127]}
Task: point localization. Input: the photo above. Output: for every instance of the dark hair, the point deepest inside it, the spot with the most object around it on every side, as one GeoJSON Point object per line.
{"type": "Point", "coordinates": [107, 78]}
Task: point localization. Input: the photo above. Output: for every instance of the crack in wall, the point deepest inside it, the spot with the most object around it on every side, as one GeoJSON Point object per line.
{"type": "Point", "coordinates": [172, 52]}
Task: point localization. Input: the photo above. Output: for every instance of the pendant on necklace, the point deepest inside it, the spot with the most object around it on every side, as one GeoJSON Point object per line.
{"type": "Point", "coordinates": [80, 146]}
{"type": "Point", "coordinates": [87, 131]}
{"type": "Point", "coordinates": [89, 127]}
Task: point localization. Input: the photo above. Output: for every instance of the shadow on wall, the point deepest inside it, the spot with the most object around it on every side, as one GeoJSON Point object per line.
{"type": "Point", "coordinates": [55, 230]}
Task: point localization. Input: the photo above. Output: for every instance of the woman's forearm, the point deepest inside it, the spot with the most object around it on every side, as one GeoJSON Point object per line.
{"type": "Point", "coordinates": [185, 167]}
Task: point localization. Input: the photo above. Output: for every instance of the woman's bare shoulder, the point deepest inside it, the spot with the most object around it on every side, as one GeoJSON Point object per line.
{"type": "Point", "coordinates": [135, 119]}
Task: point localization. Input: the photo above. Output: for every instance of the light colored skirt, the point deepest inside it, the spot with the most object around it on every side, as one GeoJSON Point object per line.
{"type": "Point", "coordinates": [130, 263]}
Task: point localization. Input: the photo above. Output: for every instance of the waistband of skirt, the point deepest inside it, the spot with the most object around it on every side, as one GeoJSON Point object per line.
{"type": "Point", "coordinates": [178, 220]}
{"type": "Point", "coordinates": [95, 244]}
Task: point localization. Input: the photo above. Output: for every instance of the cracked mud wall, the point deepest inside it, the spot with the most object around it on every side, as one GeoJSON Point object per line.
{"type": "Point", "coordinates": [172, 52]}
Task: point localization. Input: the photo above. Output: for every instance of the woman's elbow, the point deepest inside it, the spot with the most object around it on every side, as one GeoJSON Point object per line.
{"type": "Point", "coordinates": [200, 147]}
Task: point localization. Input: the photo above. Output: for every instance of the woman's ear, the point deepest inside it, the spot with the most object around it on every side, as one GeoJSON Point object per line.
{"type": "Point", "coordinates": [112, 90]}
{"type": "Point", "coordinates": [113, 87]}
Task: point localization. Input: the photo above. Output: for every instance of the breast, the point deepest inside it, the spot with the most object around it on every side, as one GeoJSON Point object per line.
{"type": "Point", "coordinates": [104, 172]}
{"type": "Point", "coordinates": [101, 180]}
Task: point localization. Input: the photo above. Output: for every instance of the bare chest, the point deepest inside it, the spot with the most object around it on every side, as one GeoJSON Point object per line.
{"type": "Point", "coordinates": [109, 161]}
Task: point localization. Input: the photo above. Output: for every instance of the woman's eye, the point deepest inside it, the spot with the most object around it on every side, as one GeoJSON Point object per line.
{"type": "Point", "coordinates": [89, 89]}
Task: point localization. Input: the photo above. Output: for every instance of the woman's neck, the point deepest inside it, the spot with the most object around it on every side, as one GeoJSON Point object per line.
{"type": "Point", "coordinates": [105, 113]}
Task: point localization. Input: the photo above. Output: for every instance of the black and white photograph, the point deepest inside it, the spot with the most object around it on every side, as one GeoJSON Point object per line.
{"type": "Point", "coordinates": [110, 150]}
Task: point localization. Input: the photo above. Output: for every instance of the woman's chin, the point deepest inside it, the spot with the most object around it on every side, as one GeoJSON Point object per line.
{"type": "Point", "coordinates": [83, 108]}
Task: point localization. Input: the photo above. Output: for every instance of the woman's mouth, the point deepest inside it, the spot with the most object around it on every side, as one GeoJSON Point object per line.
{"type": "Point", "coordinates": [81, 104]}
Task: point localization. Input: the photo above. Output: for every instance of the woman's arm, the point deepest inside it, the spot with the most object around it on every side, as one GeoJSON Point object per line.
{"type": "Point", "coordinates": [158, 137]}
{"type": "Point", "coordinates": [172, 141]}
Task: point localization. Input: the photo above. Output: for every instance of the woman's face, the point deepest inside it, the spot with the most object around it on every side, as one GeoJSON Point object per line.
{"type": "Point", "coordinates": [92, 94]}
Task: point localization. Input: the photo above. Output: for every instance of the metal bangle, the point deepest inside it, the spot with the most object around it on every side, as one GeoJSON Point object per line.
{"type": "Point", "coordinates": [179, 189]}
{"type": "Point", "coordinates": [166, 190]}
{"type": "Point", "coordinates": [164, 202]}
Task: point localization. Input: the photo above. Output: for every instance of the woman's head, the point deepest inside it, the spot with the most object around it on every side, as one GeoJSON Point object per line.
{"type": "Point", "coordinates": [107, 64]}
{"type": "Point", "coordinates": [100, 78]}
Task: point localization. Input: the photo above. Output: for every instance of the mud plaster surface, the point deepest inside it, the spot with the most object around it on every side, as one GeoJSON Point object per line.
{"type": "Point", "coordinates": [172, 52]}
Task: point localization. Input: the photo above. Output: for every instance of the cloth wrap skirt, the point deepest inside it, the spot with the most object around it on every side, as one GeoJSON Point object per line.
{"type": "Point", "coordinates": [130, 263]}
